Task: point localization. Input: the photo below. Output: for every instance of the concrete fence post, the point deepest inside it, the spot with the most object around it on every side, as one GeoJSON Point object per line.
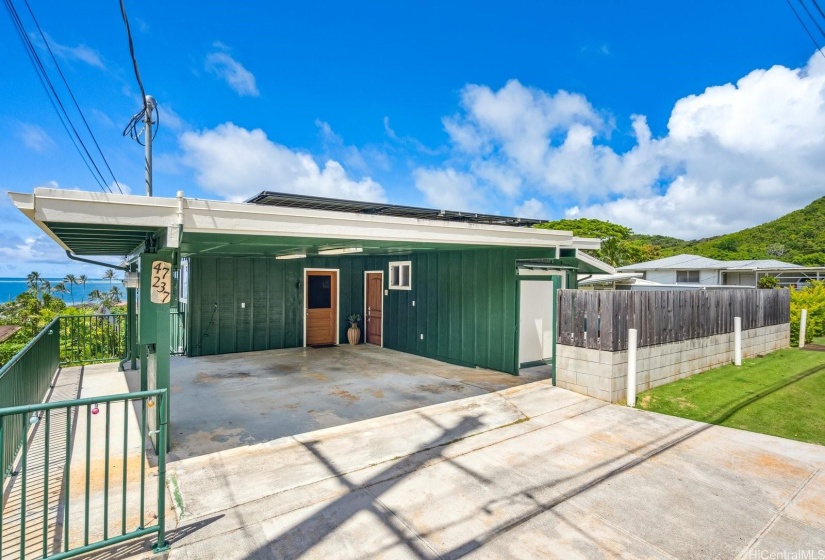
{"type": "Point", "coordinates": [631, 367]}
{"type": "Point", "coordinates": [737, 341]}
{"type": "Point", "coordinates": [803, 321]}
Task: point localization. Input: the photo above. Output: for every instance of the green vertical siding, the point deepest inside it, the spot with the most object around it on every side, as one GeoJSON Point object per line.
{"type": "Point", "coordinates": [465, 304]}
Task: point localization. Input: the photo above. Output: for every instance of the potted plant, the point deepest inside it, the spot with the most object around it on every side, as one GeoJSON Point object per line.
{"type": "Point", "coordinates": [354, 333]}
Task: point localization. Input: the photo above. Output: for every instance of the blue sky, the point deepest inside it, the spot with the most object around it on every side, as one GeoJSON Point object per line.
{"type": "Point", "coordinates": [689, 120]}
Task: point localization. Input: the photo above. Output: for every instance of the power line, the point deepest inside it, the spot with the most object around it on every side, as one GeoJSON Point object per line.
{"type": "Point", "coordinates": [805, 27]}
{"type": "Point", "coordinates": [132, 128]}
{"type": "Point", "coordinates": [813, 19]}
{"type": "Point", "coordinates": [71, 94]}
{"type": "Point", "coordinates": [54, 98]}
{"type": "Point", "coordinates": [818, 8]}
{"type": "Point", "coordinates": [132, 53]}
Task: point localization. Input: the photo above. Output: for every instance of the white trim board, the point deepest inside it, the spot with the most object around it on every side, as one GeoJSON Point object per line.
{"type": "Point", "coordinates": [208, 216]}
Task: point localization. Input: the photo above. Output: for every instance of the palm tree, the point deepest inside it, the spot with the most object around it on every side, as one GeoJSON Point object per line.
{"type": "Point", "coordinates": [109, 275]}
{"type": "Point", "coordinates": [60, 288]}
{"type": "Point", "coordinates": [33, 280]}
{"type": "Point", "coordinates": [71, 280]}
{"type": "Point", "coordinates": [114, 295]}
{"type": "Point", "coordinates": [47, 286]}
{"type": "Point", "coordinates": [95, 295]}
{"type": "Point", "coordinates": [82, 281]}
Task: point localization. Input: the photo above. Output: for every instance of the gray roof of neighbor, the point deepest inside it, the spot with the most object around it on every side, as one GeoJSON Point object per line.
{"type": "Point", "coordinates": [695, 262]}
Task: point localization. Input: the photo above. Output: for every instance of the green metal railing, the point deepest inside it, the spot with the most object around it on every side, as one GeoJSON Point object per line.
{"type": "Point", "coordinates": [88, 339]}
{"type": "Point", "coordinates": [48, 523]}
{"type": "Point", "coordinates": [177, 331]}
{"type": "Point", "coordinates": [25, 379]}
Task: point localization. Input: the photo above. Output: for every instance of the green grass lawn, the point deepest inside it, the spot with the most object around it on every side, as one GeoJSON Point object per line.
{"type": "Point", "coordinates": [782, 394]}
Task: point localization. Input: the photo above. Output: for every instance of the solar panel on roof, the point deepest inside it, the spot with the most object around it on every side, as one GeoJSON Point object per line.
{"type": "Point", "coordinates": [286, 200]}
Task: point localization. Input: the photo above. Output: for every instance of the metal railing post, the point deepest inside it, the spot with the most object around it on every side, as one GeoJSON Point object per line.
{"type": "Point", "coordinates": [162, 544]}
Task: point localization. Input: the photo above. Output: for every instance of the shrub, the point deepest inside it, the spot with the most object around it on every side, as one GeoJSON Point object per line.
{"type": "Point", "coordinates": [812, 298]}
{"type": "Point", "coordinates": [767, 283]}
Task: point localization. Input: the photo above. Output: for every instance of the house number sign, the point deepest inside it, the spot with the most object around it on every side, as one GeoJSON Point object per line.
{"type": "Point", "coordinates": [161, 282]}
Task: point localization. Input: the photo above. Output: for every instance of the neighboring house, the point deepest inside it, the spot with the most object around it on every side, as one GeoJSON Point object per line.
{"type": "Point", "coordinates": [703, 271]}
{"type": "Point", "coordinates": [7, 331]}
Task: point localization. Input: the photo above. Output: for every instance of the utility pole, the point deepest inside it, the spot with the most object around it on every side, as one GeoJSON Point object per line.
{"type": "Point", "coordinates": [151, 104]}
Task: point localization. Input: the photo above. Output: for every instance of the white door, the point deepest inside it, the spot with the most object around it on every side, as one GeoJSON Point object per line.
{"type": "Point", "coordinates": [535, 321]}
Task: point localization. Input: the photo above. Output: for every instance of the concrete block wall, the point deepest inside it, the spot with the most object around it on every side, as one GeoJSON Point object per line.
{"type": "Point", "coordinates": [603, 374]}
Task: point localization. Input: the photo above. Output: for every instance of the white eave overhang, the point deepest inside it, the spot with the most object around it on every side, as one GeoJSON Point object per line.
{"type": "Point", "coordinates": [47, 205]}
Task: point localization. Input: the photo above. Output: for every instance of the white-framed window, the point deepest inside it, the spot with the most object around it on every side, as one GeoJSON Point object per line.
{"type": "Point", "coordinates": [687, 276]}
{"type": "Point", "coordinates": [401, 275]}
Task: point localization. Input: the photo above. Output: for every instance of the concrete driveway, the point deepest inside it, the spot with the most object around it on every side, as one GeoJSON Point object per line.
{"type": "Point", "coordinates": [528, 472]}
{"type": "Point", "coordinates": [221, 402]}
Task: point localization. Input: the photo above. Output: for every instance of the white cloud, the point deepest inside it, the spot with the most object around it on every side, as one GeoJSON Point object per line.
{"type": "Point", "coordinates": [734, 155]}
{"type": "Point", "coordinates": [448, 189]}
{"type": "Point", "coordinates": [81, 52]}
{"type": "Point", "coordinates": [34, 137]}
{"type": "Point", "coordinates": [531, 208]}
{"type": "Point", "coordinates": [236, 163]}
{"type": "Point", "coordinates": [222, 65]}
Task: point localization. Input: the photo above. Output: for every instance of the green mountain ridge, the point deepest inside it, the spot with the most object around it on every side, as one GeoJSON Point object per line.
{"type": "Point", "coordinates": [797, 237]}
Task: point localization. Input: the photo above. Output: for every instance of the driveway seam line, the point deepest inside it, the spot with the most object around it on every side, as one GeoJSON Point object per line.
{"type": "Point", "coordinates": [777, 515]}
{"type": "Point", "coordinates": [404, 523]}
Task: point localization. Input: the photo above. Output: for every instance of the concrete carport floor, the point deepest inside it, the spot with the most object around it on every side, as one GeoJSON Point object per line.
{"type": "Point", "coordinates": [230, 400]}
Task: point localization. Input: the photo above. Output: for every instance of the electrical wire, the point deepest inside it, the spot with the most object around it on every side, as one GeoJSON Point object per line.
{"type": "Point", "coordinates": [71, 94]}
{"type": "Point", "coordinates": [816, 4]}
{"type": "Point", "coordinates": [805, 27]}
{"type": "Point", "coordinates": [54, 98]}
{"type": "Point", "coordinates": [132, 53]}
{"type": "Point", "coordinates": [813, 19]}
{"type": "Point", "coordinates": [132, 128]}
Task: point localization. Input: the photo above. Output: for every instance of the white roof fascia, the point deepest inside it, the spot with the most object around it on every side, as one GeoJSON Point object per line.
{"type": "Point", "coordinates": [208, 216]}
{"type": "Point", "coordinates": [589, 243]}
{"type": "Point", "coordinates": [25, 203]}
{"type": "Point", "coordinates": [594, 262]}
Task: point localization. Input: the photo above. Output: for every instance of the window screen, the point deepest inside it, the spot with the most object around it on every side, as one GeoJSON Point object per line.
{"type": "Point", "coordinates": [401, 275]}
{"type": "Point", "coordinates": [319, 292]}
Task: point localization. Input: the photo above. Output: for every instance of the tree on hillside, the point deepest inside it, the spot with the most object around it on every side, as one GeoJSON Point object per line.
{"type": "Point", "coordinates": [775, 249]}
{"type": "Point", "coordinates": [617, 247]}
{"type": "Point", "coordinates": [71, 280]}
{"type": "Point", "coordinates": [588, 227]}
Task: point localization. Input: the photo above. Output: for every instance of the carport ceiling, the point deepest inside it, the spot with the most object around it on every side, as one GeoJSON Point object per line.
{"type": "Point", "coordinates": [93, 240]}
{"type": "Point", "coordinates": [256, 245]}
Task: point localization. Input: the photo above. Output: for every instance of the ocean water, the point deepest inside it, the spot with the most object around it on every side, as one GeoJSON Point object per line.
{"type": "Point", "coordinates": [10, 287]}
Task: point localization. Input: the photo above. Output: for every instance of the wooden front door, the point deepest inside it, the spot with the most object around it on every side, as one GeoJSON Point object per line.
{"type": "Point", "coordinates": [321, 307]}
{"type": "Point", "coordinates": [375, 307]}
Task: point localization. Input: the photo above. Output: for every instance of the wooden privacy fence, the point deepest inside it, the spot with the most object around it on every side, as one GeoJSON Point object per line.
{"type": "Point", "coordinates": [601, 319]}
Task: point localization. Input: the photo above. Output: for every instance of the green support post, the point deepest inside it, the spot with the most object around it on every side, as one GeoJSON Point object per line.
{"type": "Point", "coordinates": [154, 328]}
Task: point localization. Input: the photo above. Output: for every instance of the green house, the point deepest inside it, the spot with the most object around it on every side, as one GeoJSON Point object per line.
{"type": "Point", "coordinates": [282, 271]}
